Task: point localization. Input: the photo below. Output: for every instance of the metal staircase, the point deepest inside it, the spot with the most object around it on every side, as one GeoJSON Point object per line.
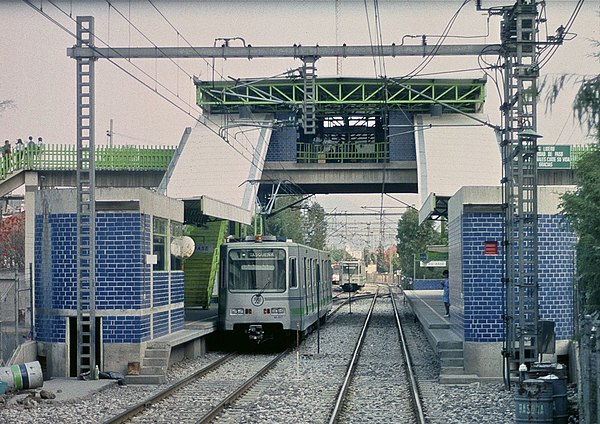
{"type": "Point", "coordinates": [201, 268]}
{"type": "Point", "coordinates": [86, 210]}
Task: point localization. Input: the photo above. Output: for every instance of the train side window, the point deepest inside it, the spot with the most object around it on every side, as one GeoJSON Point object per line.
{"type": "Point", "coordinates": [293, 273]}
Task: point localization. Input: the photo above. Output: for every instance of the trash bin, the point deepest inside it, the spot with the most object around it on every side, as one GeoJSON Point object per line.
{"type": "Point", "coordinates": [534, 402]}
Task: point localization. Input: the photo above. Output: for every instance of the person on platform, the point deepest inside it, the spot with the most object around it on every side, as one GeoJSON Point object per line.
{"type": "Point", "coordinates": [446, 294]}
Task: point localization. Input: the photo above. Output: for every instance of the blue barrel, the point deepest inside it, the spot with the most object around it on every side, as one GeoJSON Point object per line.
{"type": "Point", "coordinates": [534, 402]}
{"type": "Point", "coordinates": [559, 396]}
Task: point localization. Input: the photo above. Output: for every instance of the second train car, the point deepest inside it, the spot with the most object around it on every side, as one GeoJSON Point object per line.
{"type": "Point", "coordinates": [353, 275]}
{"type": "Point", "coordinates": [272, 289]}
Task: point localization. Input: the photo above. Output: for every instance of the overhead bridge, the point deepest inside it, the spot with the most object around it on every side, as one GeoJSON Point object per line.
{"type": "Point", "coordinates": [360, 137]}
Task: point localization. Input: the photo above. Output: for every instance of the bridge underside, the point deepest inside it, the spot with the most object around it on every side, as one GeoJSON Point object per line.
{"type": "Point", "coordinates": [334, 178]}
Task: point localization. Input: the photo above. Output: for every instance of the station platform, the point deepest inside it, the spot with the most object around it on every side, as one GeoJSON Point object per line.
{"type": "Point", "coordinates": [445, 335]}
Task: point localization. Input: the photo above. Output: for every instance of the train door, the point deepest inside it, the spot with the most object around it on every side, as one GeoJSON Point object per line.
{"type": "Point", "coordinates": [319, 287]}
{"type": "Point", "coordinates": [306, 286]}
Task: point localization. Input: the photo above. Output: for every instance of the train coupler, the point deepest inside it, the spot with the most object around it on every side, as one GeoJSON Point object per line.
{"type": "Point", "coordinates": [256, 332]}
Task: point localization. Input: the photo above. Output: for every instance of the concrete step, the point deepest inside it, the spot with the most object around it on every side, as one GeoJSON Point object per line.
{"type": "Point", "coordinates": [452, 362]}
{"type": "Point", "coordinates": [157, 353]}
{"type": "Point", "coordinates": [439, 325]}
{"type": "Point", "coordinates": [145, 379]}
{"type": "Point", "coordinates": [449, 345]}
{"type": "Point", "coordinates": [153, 370]}
{"type": "Point", "coordinates": [458, 379]}
{"type": "Point", "coordinates": [155, 362]}
{"type": "Point", "coordinates": [157, 346]}
{"type": "Point", "coordinates": [452, 371]}
{"type": "Point", "coordinates": [451, 353]}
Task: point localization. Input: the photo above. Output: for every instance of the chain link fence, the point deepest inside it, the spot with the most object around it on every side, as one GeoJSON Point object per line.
{"type": "Point", "coordinates": [15, 312]}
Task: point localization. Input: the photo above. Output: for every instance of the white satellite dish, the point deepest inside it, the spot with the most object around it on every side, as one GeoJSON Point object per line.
{"type": "Point", "coordinates": [183, 247]}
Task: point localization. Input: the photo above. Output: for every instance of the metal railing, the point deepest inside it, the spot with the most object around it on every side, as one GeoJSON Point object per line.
{"type": "Point", "coordinates": [64, 157]}
{"type": "Point", "coordinates": [343, 152]}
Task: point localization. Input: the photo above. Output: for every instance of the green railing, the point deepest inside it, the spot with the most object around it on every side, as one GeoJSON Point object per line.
{"type": "Point", "coordinates": [64, 157]}
{"type": "Point", "coordinates": [342, 152]}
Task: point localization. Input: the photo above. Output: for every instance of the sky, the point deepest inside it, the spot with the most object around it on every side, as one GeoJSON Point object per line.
{"type": "Point", "coordinates": [37, 75]}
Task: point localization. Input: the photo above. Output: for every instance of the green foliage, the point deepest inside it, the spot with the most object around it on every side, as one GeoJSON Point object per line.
{"type": "Point", "coordinates": [338, 254]}
{"type": "Point", "coordinates": [413, 239]}
{"type": "Point", "coordinates": [582, 208]}
{"type": "Point", "coordinates": [315, 226]}
{"type": "Point", "coordinates": [304, 223]}
{"type": "Point", "coordinates": [287, 223]}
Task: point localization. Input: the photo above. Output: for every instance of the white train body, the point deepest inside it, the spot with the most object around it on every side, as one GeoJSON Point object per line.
{"type": "Point", "coordinates": [353, 275]}
{"type": "Point", "coordinates": [271, 288]}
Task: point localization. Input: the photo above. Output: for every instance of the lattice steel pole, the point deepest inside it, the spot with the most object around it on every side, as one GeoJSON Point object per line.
{"type": "Point", "coordinates": [86, 199]}
{"type": "Point", "coordinates": [519, 148]}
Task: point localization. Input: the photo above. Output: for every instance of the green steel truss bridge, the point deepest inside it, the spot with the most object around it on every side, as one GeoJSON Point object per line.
{"type": "Point", "coordinates": [333, 96]}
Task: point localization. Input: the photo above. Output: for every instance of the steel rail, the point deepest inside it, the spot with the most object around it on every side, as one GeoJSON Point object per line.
{"type": "Point", "coordinates": [145, 404]}
{"type": "Point", "coordinates": [414, 387]}
{"type": "Point", "coordinates": [209, 416]}
{"type": "Point", "coordinates": [352, 365]}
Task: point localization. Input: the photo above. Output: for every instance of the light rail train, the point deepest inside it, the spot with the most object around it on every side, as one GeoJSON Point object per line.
{"type": "Point", "coordinates": [271, 289]}
{"type": "Point", "coordinates": [353, 275]}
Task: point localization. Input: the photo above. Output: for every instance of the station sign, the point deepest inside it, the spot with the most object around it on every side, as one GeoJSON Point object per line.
{"type": "Point", "coordinates": [433, 259]}
{"type": "Point", "coordinates": [554, 157]}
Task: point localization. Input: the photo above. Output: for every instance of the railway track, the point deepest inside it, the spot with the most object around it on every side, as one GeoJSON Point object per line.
{"type": "Point", "coordinates": [377, 384]}
{"type": "Point", "coordinates": [227, 378]}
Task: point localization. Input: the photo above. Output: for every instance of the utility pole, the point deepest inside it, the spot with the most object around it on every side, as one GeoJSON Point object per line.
{"type": "Point", "coordinates": [519, 36]}
{"type": "Point", "coordinates": [86, 201]}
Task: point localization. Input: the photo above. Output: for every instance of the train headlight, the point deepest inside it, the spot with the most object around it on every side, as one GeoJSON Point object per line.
{"type": "Point", "coordinates": [277, 311]}
{"type": "Point", "coordinates": [236, 311]}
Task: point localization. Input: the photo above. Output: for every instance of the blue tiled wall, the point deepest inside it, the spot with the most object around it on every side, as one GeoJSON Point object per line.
{"type": "Point", "coordinates": [52, 329]}
{"type": "Point", "coordinates": [430, 284]}
{"type": "Point", "coordinates": [177, 319]}
{"type": "Point", "coordinates": [282, 146]}
{"type": "Point", "coordinates": [161, 288]}
{"type": "Point", "coordinates": [126, 329]}
{"type": "Point", "coordinates": [122, 277]}
{"type": "Point", "coordinates": [160, 323]}
{"type": "Point", "coordinates": [481, 277]}
{"type": "Point", "coordinates": [177, 289]}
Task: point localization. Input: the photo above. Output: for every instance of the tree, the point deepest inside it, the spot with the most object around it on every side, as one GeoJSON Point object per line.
{"type": "Point", "coordinates": [315, 226]}
{"type": "Point", "coordinates": [303, 224]}
{"type": "Point", "coordinates": [288, 222]}
{"type": "Point", "coordinates": [12, 242]}
{"type": "Point", "coordinates": [338, 254]}
{"type": "Point", "coordinates": [413, 239]}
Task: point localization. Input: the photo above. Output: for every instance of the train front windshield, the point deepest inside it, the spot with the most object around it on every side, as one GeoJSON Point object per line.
{"type": "Point", "coordinates": [350, 269]}
{"type": "Point", "coordinates": [250, 270]}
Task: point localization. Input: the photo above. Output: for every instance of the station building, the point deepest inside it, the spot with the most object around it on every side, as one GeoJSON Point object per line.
{"type": "Point", "coordinates": [139, 285]}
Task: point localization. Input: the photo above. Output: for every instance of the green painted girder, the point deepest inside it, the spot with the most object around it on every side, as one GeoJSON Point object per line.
{"type": "Point", "coordinates": [336, 95]}
{"type": "Point", "coordinates": [55, 157]}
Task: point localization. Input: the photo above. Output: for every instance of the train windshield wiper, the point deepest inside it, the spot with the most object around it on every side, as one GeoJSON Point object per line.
{"type": "Point", "coordinates": [262, 290]}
